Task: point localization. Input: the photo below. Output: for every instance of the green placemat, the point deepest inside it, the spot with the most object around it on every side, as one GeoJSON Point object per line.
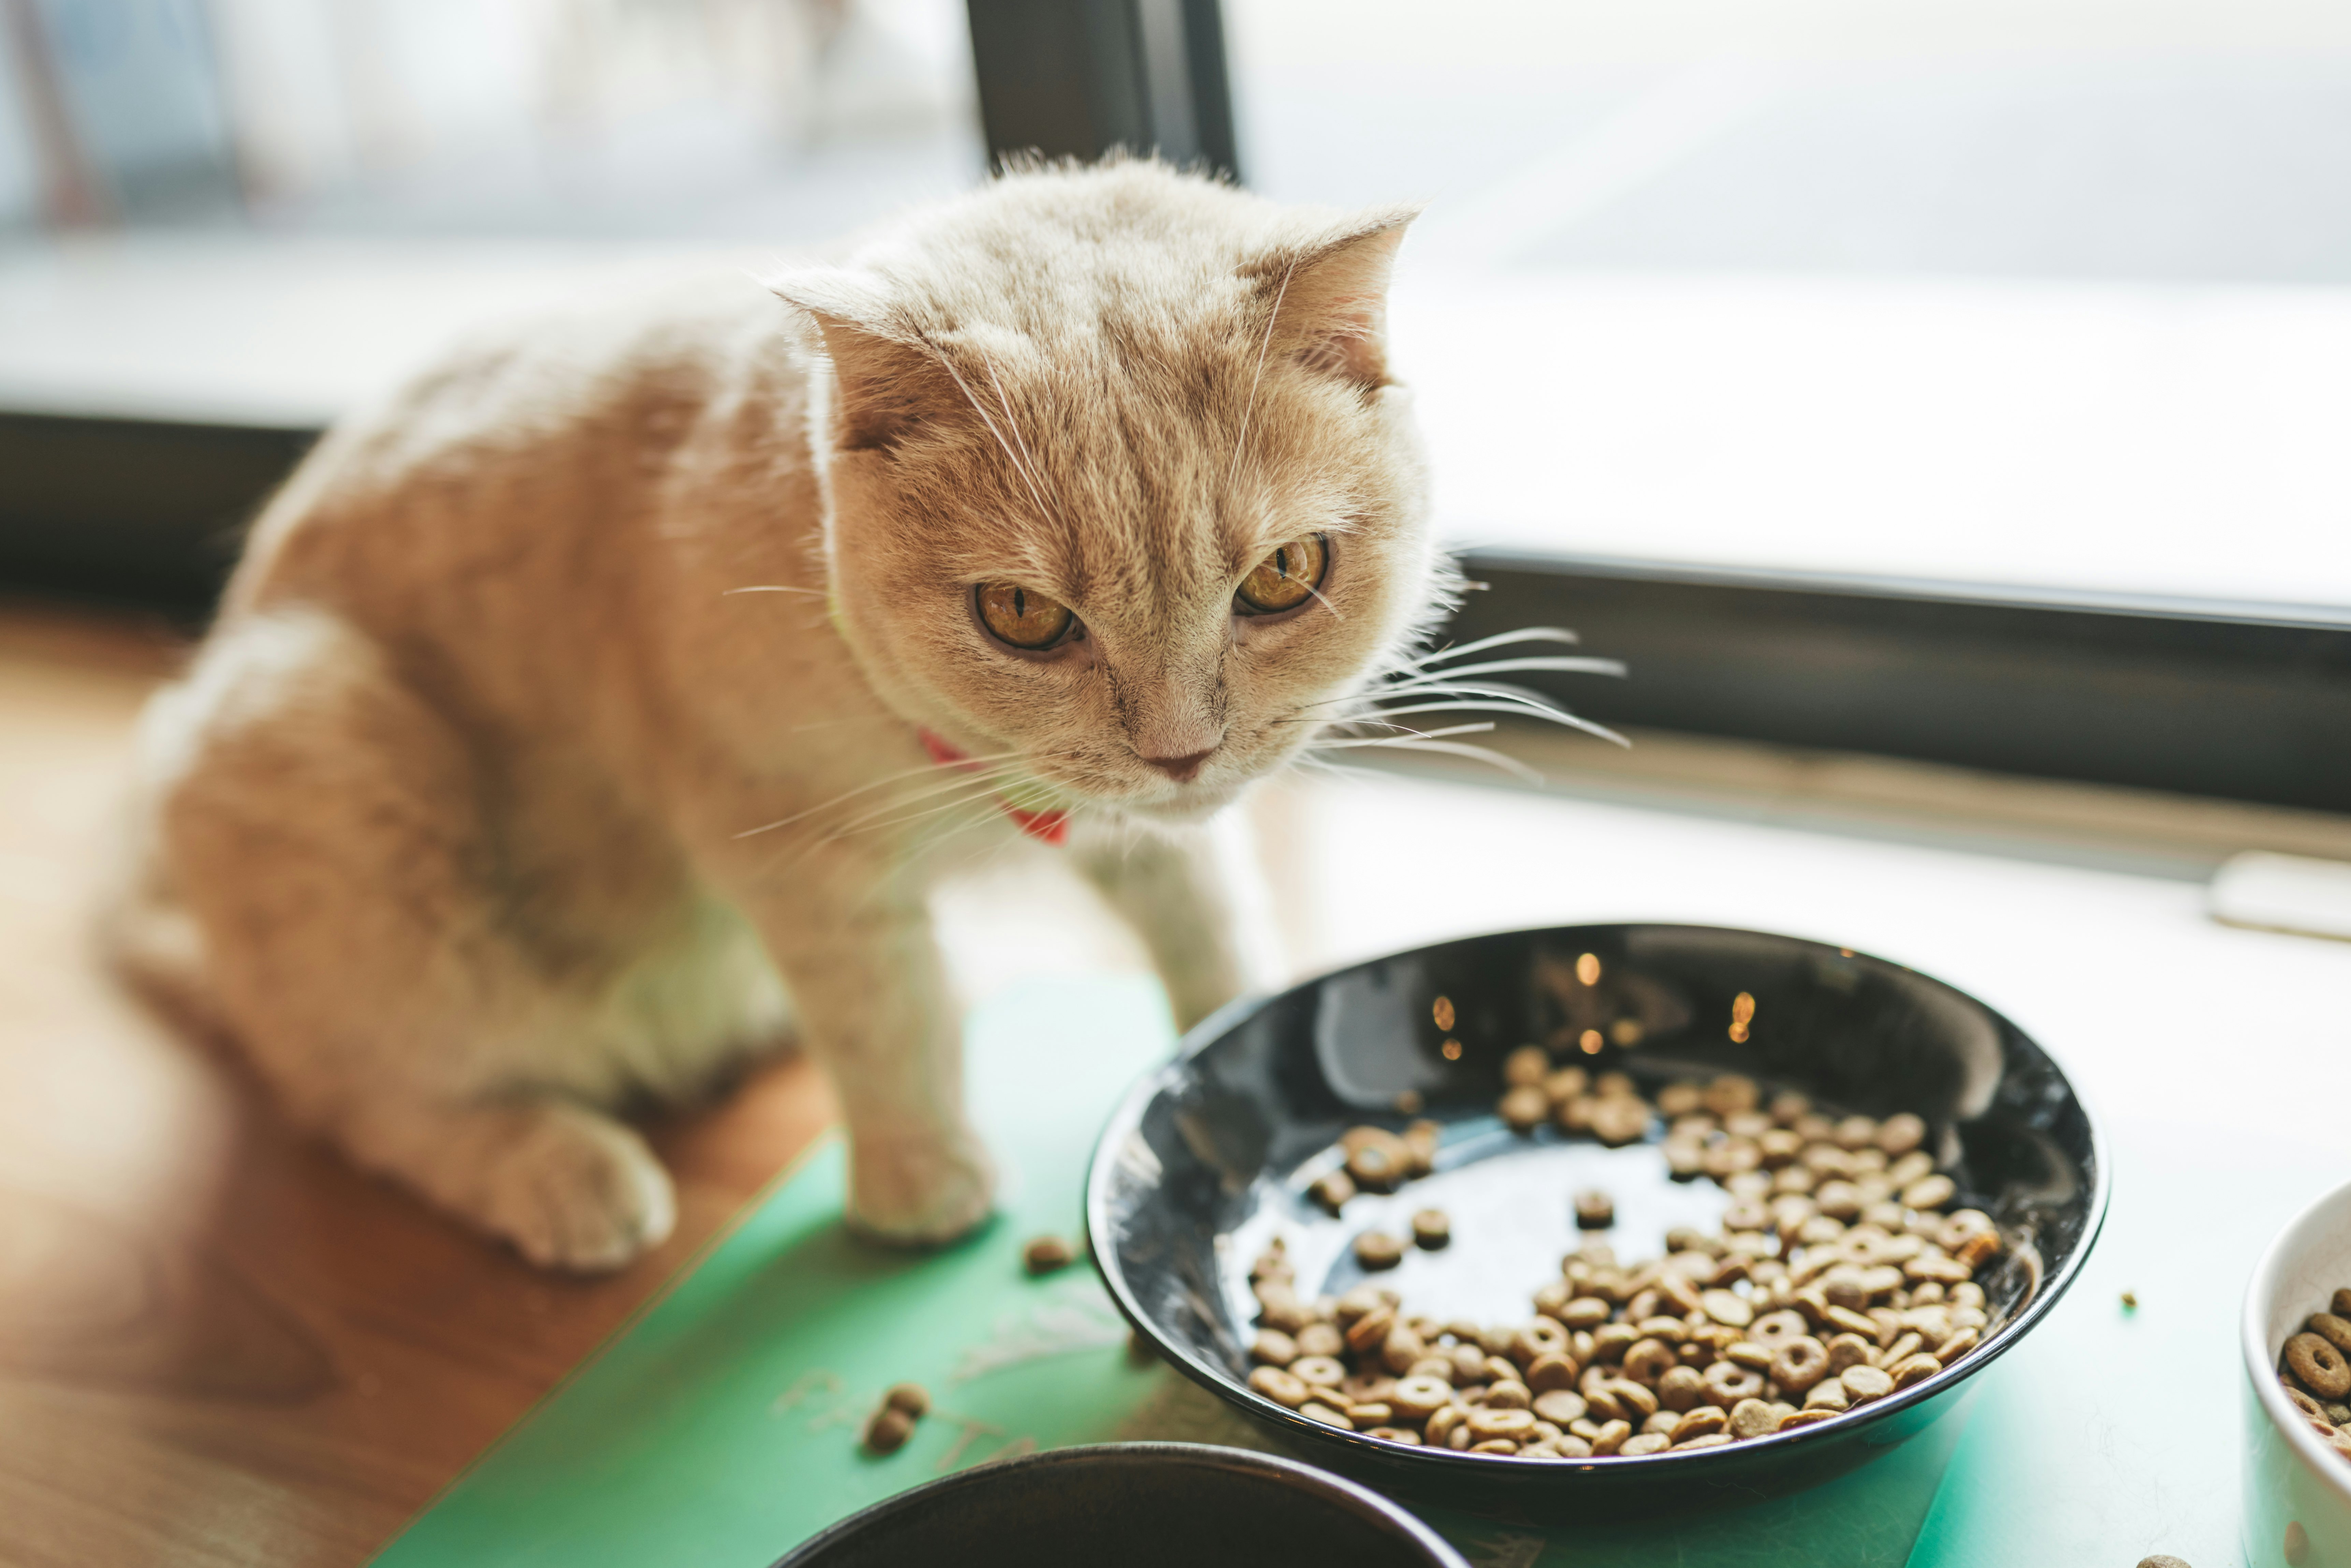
{"type": "Point", "coordinates": [719, 1428]}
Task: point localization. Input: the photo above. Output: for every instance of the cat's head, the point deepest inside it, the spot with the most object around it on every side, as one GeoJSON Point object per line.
{"type": "Point", "coordinates": [1121, 494]}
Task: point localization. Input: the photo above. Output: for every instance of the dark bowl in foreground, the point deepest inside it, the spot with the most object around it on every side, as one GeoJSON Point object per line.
{"type": "Point", "coordinates": [1140, 1505]}
{"type": "Point", "coordinates": [1208, 1158]}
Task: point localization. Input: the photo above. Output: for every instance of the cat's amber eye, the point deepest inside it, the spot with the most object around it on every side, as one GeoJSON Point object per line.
{"type": "Point", "coordinates": [1022, 616]}
{"type": "Point", "coordinates": [1286, 579]}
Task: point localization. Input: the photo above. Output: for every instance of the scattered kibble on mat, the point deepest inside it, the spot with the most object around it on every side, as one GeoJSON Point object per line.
{"type": "Point", "coordinates": [1431, 1228]}
{"type": "Point", "coordinates": [887, 1429]}
{"type": "Point", "coordinates": [2317, 1375]}
{"type": "Point", "coordinates": [1046, 1255]}
{"type": "Point", "coordinates": [1838, 1278]}
{"type": "Point", "coordinates": [2130, 1300]}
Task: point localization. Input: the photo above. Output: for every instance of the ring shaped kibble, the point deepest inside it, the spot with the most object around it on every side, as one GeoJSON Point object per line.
{"type": "Point", "coordinates": [1801, 1363]}
{"type": "Point", "coordinates": [2319, 1364]}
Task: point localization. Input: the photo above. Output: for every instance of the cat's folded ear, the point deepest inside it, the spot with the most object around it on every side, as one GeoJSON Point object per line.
{"type": "Point", "coordinates": [887, 383]}
{"type": "Point", "coordinates": [1329, 295]}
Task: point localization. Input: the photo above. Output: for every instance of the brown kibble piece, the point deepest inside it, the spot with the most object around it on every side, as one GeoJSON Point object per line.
{"type": "Point", "coordinates": [1561, 1407]}
{"type": "Point", "coordinates": [1807, 1417]}
{"type": "Point", "coordinates": [2319, 1364]}
{"type": "Point", "coordinates": [1506, 1393]}
{"type": "Point", "coordinates": [2341, 1304]}
{"type": "Point", "coordinates": [2333, 1330]}
{"type": "Point", "coordinates": [1726, 1307]}
{"type": "Point", "coordinates": [1395, 1434]}
{"type": "Point", "coordinates": [910, 1397]}
{"type": "Point", "coordinates": [1319, 1339]}
{"type": "Point", "coordinates": [1431, 1228]}
{"type": "Point", "coordinates": [1273, 1347]}
{"type": "Point", "coordinates": [1699, 1422]}
{"type": "Point", "coordinates": [1901, 1133]}
{"type": "Point", "coordinates": [1773, 1330]}
{"type": "Point", "coordinates": [1865, 1383]}
{"type": "Point", "coordinates": [1320, 1371]}
{"type": "Point", "coordinates": [1046, 1255]}
{"type": "Point", "coordinates": [1525, 1108]}
{"type": "Point", "coordinates": [1380, 1167]}
{"type": "Point", "coordinates": [1538, 1339]}
{"type": "Point", "coordinates": [1377, 1249]}
{"type": "Point", "coordinates": [1800, 1363]}
{"type": "Point", "coordinates": [1594, 1210]}
{"type": "Point", "coordinates": [1647, 1443]}
{"type": "Point", "coordinates": [2161, 1560]}
{"type": "Point", "coordinates": [1315, 1411]}
{"type": "Point", "coordinates": [1369, 1332]}
{"type": "Point", "coordinates": [887, 1429]}
{"type": "Point", "coordinates": [1487, 1422]}
{"type": "Point", "coordinates": [1333, 1190]}
{"type": "Point", "coordinates": [1281, 1387]}
{"type": "Point", "coordinates": [1418, 1398]}
{"type": "Point", "coordinates": [1552, 1369]}
{"type": "Point", "coordinates": [1584, 1312]}
{"type": "Point", "coordinates": [1619, 1119]}
{"type": "Point", "coordinates": [1913, 1369]}
{"type": "Point", "coordinates": [1850, 1350]}
{"type": "Point", "coordinates": [1930, 1192]}
{"type": "Point", "coordinates": [1754, 1419]}
{"type": "Point", "coordinates": [1609, 1437]}
{"type": "Point", "coordinates": [1681, 1388]}
{"type": "Point", "coordinates": [1530, 1064]}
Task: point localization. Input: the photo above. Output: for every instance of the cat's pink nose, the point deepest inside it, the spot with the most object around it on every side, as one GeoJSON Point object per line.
{"type": "Point", "coordinates": [1183, 769]}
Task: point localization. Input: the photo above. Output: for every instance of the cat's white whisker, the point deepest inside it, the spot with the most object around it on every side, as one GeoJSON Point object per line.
{"type": "Point", "coordinates": [928, 768]}
{"type": "Point", "coordinates": [1498, 639]}
{"type": "Point", "coordinates": [971, 787]}
{"type": "Point", "coordinates": [772, 588]}
{"type": "Point", "coordinates": [1546, 711]}
{"type": "Point", "coordinates": [1495, 667]}
{"type": "Point", "coordinates": [1249, 405]}
{"type": "Point", "coordinates": [1409, 735]}
{"type": "Point", "coordinates": [1029, 459]}
{"type": "Point", "coordinates": [1043, 511]}
{"type": "Point", "coordinates": [1510, 765]}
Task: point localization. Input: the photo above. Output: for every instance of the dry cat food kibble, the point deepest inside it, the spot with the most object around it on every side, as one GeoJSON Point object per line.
{"type": "Point", "coordinates": [1046, 1255]}
{"type": "Point", "coordinates": [1837, 1279]}
{"type": "Point", "coordinates": [2315, 1368]}
{"type": "Point", "coordinates": [887, 1429]}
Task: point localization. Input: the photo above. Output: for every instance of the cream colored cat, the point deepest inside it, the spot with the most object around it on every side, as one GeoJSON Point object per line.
{"type": "Point", "coordinates": [603, 706]}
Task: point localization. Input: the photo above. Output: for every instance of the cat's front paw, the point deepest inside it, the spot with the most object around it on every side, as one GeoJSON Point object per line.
{"type": "Point", "coordinates": [919, 1191]}
{"type": "Point", "coordinates": [577, 1190]}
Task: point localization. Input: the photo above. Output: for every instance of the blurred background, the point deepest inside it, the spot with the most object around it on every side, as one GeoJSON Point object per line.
{"type": "Point", "coordinates": [1997, 343]}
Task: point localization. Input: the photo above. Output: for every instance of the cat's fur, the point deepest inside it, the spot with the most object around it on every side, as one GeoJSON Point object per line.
{"type": "Point", "coordinates": [447, 823]}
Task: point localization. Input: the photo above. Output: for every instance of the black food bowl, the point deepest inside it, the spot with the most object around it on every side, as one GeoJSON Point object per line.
{"type": "Point", "coordinates": [1139, 1505]}
{"type": "Point", "coordinates": [1208, 1158]}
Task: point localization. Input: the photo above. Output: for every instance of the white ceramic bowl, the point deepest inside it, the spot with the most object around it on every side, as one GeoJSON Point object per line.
{"type": "Point", "coordinates": [2297, 1510]}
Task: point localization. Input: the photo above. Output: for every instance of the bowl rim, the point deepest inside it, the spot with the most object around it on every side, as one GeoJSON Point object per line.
{"type": "Point", "coordinates": [2260, 1288]}
{"type": "Point", "coordinates": [1351, 1496]}
{"type": "Point", "coordinates": [1127, 1117]}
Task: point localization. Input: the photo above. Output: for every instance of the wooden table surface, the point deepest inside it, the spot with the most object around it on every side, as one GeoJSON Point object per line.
{"type": "Point", "coordinates": [220, 1345]}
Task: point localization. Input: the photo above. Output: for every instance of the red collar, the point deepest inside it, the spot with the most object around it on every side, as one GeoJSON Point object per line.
{"type": "Point", "coordinates": [1046, 827]}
